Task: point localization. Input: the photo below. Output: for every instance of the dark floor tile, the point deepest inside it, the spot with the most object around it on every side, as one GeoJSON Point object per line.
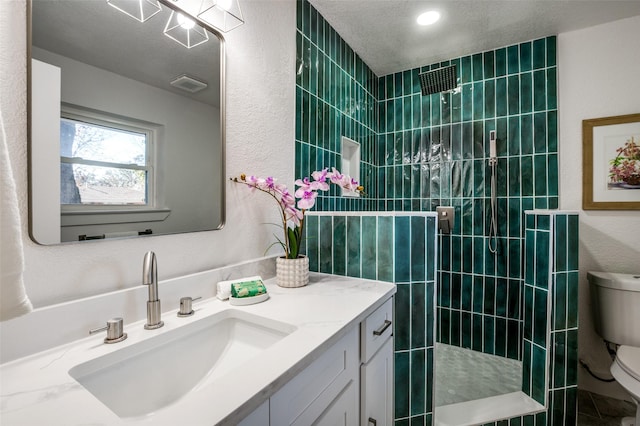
{"type": "Point", "coordinates": [609, 407]}
{"type": "Point", "coordinates": [585, 420]}
{"type": "Point", "coordinates": [586, 404]}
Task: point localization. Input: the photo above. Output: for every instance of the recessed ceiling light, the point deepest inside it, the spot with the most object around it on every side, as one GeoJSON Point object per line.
{"type": "Point", "coordinates": [428, 18]}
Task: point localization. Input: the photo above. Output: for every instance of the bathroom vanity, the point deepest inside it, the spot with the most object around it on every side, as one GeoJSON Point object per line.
{"type": "Point", "coordinates": [351, 380]}
{"type": "Point", "coordinates": [318, 354]}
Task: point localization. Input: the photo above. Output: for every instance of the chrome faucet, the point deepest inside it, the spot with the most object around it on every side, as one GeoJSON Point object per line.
{"type": "Point", "coordinates": [150, 278]}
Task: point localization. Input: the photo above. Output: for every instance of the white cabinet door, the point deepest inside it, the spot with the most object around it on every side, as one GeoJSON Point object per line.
{"type": "Point", "coordinates": [376, 388]}
{"type": "Point", "coordinates": [343, 411]}
{"type": "Point", "coordinates": [308, 396]}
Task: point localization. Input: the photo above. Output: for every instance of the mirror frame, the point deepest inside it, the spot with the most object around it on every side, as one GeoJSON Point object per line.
{"type": "Point", "coordinates": [223, 127]}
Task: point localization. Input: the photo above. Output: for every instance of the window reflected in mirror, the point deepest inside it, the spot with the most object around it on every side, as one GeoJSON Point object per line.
{"type": "Point", "coordinates": [104, 165]}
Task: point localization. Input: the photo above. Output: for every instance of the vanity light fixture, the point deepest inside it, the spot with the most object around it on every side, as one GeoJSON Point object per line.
{"type": "Point", "coordinates": [140, 10]}
{"type": "Point", "coordinates": [185, 31]}
{"type": "Point", "coordinates": [428, 18]}
{"type": "Point", "coordinates": [223, 15]}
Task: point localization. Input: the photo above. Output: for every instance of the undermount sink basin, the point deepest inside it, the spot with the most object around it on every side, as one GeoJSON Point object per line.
{"type": "Point", "coordinates": [144, 377]}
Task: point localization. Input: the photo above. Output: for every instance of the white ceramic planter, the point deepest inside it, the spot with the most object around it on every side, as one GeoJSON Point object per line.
{"type": "Point", "coordinates": [292, 272]}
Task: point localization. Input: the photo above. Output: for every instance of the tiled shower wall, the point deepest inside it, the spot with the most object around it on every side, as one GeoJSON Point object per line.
{"type": "Point", "coordinates": [550, 318]}
{"type": "Point", "coordinates": [550, 329]}
{"type": "Point", "coordinates": [433, 150]}
{"type": "Point", "coordinates": [335, 97]}
{"type": "Point", "coordinates": [398, 248]}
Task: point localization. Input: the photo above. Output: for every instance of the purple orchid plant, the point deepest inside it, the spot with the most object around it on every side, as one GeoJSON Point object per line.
{"type": "Point", "coordinates": [292, 211]}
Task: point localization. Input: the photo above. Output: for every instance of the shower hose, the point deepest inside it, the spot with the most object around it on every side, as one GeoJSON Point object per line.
{"type": "Point", "coordinates": [493, 226]}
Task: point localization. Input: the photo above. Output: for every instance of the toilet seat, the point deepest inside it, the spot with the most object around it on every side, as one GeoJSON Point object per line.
{"type": "Point", "coordinates": [629, 359]}
{"type": "Point", "coordinates": [626, 370]}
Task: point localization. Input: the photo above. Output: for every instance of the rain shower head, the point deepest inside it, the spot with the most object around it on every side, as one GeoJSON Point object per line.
{"type": "Point", "coordinates": [439, 80]}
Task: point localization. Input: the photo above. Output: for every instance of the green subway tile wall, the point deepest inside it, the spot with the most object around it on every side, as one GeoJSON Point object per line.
{"type": "Point", "coordinates": [398, 248]}
{"type": "Point", "coordinates": [335, 97]}
{"type": "Point", "coordinates": [564, 321]}
{"type": "Point", "coordinates": [433, 150]}
{"type": "Point", "coordinates": [550, 345]}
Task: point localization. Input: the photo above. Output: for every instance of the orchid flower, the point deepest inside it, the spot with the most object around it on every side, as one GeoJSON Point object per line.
{"type": "Point", "coordinates": [306, 194]}
{"type": "Point", "coordinates": [307, 199]}
{"type": "Point", "coordinates": [320, 178]}
{"type": "Point", "coordinates": [294, 215]}
{"type": "Point", "coordinates": [335, 176]}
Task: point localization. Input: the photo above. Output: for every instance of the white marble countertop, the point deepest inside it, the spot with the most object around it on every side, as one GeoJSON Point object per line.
{"type": "Point", "coordinates": [38, 390]}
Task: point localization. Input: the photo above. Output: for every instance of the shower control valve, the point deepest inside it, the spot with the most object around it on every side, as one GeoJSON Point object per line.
{"type": "Point", "coordinates": [446, 217]}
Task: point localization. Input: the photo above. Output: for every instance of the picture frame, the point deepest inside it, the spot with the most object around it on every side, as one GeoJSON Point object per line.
{"type": "Point", "coordinates": [611, 163]}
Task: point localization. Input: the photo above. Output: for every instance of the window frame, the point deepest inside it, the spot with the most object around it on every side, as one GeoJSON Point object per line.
{"type": "Point", "coordinates": [103, 119]}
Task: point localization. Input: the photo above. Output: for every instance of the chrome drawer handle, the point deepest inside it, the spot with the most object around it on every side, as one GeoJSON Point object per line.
{"type": "Point", "coordinates": [372, 420]}
{"type": "Point", "coordinates": [382, 329]}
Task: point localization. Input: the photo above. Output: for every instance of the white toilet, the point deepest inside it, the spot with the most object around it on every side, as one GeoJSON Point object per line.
{"type": "Point", "coordinates": [616, 310]}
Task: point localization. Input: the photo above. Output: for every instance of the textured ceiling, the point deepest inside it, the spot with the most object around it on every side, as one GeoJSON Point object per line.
{"type": "Point", "coordinates": [385, 34]}
{"type": "Point", "coordinates": [95, 33]}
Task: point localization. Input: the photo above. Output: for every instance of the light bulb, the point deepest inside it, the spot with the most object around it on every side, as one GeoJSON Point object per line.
{"type": "Point", "coordinates": [224, 4]}
{"type": "Point", "coordinates": [184, 22]}
{"type": "Point", "coordinates": [429, 18]}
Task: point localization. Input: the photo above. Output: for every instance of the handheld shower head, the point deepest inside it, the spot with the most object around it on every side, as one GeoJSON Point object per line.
{"type": "Point", "coordinates": [493, 153]}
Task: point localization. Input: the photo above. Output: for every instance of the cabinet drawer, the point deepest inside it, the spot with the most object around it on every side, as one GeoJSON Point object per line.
{"type": "Point", "coordinates": [306, 397]}
{"type": "Point", "coordinates": [375, 330]}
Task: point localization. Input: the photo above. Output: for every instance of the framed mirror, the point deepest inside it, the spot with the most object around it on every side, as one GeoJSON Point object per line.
{"type": "Point", "coordinates": [126, 121]}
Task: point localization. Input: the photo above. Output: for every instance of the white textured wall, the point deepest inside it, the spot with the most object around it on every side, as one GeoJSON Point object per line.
{"type": "Point", "coordinates": [598, 77]}
{"type": "Point", "coordinates": [260, 135]}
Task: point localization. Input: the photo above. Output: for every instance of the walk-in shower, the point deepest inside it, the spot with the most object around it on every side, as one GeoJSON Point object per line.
{"type": "Point", "coordinates": [424, 147]}
{"type": "Point", "coordinates": [474, 365]}
{"type": "Point", "coordinates": [468, 374]}
{"type": "Point", "coordinates": [463, 374]}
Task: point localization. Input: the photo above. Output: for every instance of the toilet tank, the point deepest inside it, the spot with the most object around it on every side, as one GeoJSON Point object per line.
{"type": "Point", "coordinates": [615, 299]}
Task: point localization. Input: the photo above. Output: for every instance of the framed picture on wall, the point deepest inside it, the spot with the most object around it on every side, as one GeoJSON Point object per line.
{"type": "Point", "coordinates": [611, 163]}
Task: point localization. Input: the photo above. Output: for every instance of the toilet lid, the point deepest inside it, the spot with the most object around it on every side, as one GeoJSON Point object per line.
{"type": "Point", "coordinates": [628, 357]}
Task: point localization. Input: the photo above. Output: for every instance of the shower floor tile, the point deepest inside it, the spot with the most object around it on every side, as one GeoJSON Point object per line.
{"type": "Point", "coordinates": [464, 375]}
